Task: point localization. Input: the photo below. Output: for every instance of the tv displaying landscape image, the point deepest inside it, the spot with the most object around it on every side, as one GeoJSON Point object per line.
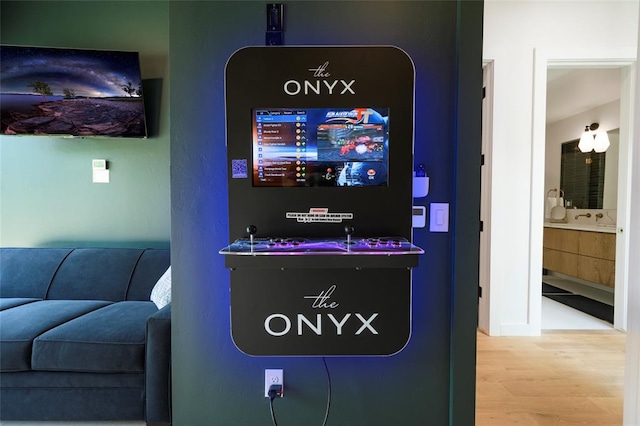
{"type": "Point", "coordinates": [70, 92]}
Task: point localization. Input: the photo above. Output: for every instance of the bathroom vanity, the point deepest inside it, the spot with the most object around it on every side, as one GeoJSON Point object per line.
{"type": "Point", "coordinates": [587, 252]}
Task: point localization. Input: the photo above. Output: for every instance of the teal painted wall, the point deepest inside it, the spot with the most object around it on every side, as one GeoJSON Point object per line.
{"type": "Point", "coordinates": [430, 382]}
{"type": "Point", "coordinates": [46, 194]}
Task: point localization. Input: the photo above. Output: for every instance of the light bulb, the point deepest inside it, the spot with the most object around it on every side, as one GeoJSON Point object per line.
{"type": "Point", "coordinates": [601, 142]}
{"type": "Point", "coordinates": [586, 143]}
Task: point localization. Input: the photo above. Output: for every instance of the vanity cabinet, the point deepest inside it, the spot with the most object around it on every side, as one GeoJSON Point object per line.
{"type": "Point", "coordinates": [583, 254]}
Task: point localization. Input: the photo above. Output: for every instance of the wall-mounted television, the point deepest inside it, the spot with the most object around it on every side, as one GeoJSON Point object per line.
{"type": "Point", "coordinates": [331, 147]}
{"type": "Point", "coordinates": [71, 92]}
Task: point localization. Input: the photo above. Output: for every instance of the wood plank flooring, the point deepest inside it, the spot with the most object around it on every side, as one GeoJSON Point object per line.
{"type": "Point", "coordinates": [559, 378]}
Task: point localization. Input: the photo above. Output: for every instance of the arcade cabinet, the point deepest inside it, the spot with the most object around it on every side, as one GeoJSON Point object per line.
{"type": "Point", "coordinates": [320, 169]}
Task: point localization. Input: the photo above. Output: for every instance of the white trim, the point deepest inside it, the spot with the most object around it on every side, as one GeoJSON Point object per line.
{"type": "Point", "coordinates": [484, 271]}
{"type": "Point", "coordinates": [625, 166]}
{"type": "Point", "coordinates": [537, 192]}
{"type": "Point", "coordinates": [631, 414]}
{"type": "Point", "coordinates": [515, 330]}
{"type": "Point", "coordinates": [497, 135]}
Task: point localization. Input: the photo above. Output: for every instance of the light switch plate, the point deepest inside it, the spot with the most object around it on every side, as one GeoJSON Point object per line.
{"type": "Point", "coordinates": [100, 176]}
{"type": "Point", "coordinates": [439, 217]}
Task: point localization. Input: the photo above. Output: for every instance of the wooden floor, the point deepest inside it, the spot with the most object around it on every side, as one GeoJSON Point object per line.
{"type": "Point", "coordinates": [559, 378]}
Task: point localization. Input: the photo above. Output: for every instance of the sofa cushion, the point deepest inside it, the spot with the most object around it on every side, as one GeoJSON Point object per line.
{"type": "Point", "coordinates": [151, 266]}
{"type": "Point", "coordinates": [20, 325]}
{"type": "Point", "coordinates": [95, 274]}
{"type": "Point", "coordinates": [111, 339]}
{"type": "Point", "coordinates": [12, 302]}
{"type": "Point", "coordinates": [27, 272]}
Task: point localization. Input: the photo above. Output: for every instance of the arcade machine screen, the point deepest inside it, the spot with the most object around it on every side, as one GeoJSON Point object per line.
{"type": "Point", "coordinates": [324, 147]}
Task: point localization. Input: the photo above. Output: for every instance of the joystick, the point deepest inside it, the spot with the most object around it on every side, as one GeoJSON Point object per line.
{"type": "Point", "coordinates": [348, 229]}
{"type": "Point", "coordinates": [251, 229]}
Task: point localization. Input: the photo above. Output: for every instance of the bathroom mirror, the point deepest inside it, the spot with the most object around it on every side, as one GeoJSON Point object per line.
{"type": "Point", "coordinates": [590, 179]}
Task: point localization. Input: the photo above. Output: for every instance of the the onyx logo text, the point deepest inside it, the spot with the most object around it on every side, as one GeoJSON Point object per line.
{"type": "Point", "coordinates": [280, 324]}
{"type": "Point", "coordinates": [321, 85]}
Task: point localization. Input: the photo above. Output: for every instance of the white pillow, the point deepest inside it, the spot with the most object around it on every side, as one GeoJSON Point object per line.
{"type": "Point", "coordinates": [161, 293]}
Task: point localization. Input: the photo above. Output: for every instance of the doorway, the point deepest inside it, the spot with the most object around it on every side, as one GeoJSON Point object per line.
{"type": "Point", "coordinates": [569, 60]}
{"type": "Point", "coordinates": [578, 284]}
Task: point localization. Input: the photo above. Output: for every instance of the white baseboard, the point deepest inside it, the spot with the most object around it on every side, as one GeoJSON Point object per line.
{"type": "Point", "coordinates": [515, 330]}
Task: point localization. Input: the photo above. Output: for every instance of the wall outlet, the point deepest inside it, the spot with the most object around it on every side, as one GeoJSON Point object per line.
{"type": "Point", "coordinates": [273, 377]}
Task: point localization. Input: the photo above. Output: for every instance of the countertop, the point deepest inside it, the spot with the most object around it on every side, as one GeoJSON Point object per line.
{"type": "Point", "coordinates": [609, 229]}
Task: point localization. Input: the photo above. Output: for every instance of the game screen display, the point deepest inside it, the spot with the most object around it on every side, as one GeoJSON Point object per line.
{"type": "Point", "coordinates": [297, 147]}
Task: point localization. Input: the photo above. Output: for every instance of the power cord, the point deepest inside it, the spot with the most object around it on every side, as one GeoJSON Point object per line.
{"type": "Point", "coordinates": [326, 413]}
{"type": "Point", "coordinates": [276, 390]}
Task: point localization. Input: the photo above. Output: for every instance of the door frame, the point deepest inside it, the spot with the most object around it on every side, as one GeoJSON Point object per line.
{"type": "Point", "coordinates": [495, 111]}
{"type": "Point", "coordinates": [484, 271]}
{"type": "Point", "coordinates": [625, 58]}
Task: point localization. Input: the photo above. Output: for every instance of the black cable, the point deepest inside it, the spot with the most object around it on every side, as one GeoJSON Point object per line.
{"type": "Point", "coordinates": [273, 392]}
{"type": "Point", "coordinates": [326, 413]}
{"type": "Point", "coordinates": [273, 414]}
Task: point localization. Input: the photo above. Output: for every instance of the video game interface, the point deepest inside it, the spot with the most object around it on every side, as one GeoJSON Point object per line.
{"type": "Point", "coordinates": [329, 147]}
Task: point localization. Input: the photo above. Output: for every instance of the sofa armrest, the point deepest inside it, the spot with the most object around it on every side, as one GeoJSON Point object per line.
{"type": "Point", "coordinates": [158, 367]}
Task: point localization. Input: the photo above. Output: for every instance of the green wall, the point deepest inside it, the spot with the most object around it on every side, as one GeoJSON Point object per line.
{"type": "Point", "coordinates": [47, 197]}
{"type": "Point", "coordinates": [431, 381]}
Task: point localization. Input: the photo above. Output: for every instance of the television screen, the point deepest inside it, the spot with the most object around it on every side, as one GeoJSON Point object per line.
{"type": "Point", "coordinates": [297, 147]}
{"type": "Point", "coordinates": [70, 92]}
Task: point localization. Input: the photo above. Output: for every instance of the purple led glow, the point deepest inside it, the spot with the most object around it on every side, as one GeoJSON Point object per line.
{"type": "Point", "coordinates": [387, 246]}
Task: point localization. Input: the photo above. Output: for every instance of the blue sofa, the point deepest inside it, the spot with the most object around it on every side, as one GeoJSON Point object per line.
{"type": "Point", "coordinates": [80, 339]}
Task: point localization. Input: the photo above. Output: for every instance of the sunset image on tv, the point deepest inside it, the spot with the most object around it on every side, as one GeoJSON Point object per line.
{"type": "Point", "coordinates": [50, 91]}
